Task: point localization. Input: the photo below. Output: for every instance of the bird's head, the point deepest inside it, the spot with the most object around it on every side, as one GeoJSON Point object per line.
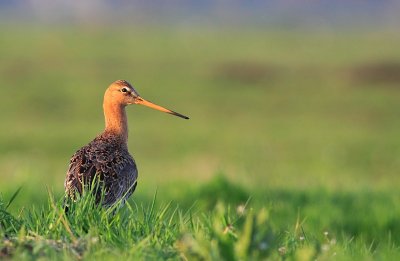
{"type": "Point", "coordinates": [121, 92]}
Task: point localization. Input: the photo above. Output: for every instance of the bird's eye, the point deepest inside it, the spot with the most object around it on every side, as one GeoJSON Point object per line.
{"type": "Point", "coordinates": [124, 89]}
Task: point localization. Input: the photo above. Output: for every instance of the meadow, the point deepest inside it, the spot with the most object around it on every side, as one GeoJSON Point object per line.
{"type": "Point", "coordinates": [291, 151]}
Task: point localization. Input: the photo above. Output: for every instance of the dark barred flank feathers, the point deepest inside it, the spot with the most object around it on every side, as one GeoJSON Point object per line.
{"type": "Point", "coordinates": [108, 160]}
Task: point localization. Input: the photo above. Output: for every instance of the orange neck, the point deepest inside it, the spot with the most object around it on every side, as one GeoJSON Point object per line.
{"type": "Point", "coordinates": [116, 121]}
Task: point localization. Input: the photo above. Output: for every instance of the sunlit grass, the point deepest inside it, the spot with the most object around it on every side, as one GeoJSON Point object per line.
{"type": "Point", "coordinates": [154, 231]}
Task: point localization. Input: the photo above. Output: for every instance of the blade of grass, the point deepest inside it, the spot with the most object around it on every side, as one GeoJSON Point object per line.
{"type": "Point", "coordinates": [61, 213]}
{"type": "Point", "coordinates": [13, 197]}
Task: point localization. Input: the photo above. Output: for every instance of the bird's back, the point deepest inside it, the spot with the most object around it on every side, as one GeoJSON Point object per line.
{"type": "Point", "coordinates": [106, 160]}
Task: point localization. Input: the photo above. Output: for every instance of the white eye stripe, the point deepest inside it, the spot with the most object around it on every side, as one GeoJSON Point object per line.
{"type": "Point", "coordinates": [124, 89]}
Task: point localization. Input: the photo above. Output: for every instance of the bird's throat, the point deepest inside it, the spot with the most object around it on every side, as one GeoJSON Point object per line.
{"type": "Point", "coordinates": [116, 120]}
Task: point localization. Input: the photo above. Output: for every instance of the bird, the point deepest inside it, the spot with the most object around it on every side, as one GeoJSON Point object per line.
{"type": "Point", "coordinates": [106, 158]}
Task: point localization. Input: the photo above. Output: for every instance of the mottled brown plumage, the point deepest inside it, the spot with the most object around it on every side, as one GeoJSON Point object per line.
{"type": "Point", "coordinates": [106, 159]}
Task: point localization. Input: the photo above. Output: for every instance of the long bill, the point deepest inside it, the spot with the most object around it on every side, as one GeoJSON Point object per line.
{"type": "Point", "coordinates": [140, 100]}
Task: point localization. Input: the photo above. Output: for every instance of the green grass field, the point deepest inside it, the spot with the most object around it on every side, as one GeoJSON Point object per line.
{"type": "Point", "coordinates": [291, 152]}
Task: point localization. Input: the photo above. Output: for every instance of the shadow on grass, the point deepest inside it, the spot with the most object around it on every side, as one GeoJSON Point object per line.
{"type": "Point", "coordinates": [378, 72]}
{"type": "Point", "coordinates": [371, 215]}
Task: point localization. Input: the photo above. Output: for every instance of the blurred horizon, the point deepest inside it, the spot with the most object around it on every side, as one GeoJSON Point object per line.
{"type": "Point", "coordinates": [315, 15]}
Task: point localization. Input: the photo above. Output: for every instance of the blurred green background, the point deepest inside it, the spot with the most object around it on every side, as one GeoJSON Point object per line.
{"type": "Point", "coordinates": [299, 119]}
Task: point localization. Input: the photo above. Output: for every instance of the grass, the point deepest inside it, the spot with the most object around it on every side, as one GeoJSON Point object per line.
{"type": "Point", "coordinates": [169, 231]}
{"type": "Point", "coordinates": [286, 122]}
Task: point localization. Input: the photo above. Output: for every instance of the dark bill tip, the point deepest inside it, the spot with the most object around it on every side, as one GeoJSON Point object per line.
{"type": "Point", "coordinates": [179, 115]}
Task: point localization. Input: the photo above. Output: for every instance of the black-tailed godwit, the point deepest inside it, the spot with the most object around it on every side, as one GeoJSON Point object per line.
{"type": "Point", "coordinates": [106, 158]}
